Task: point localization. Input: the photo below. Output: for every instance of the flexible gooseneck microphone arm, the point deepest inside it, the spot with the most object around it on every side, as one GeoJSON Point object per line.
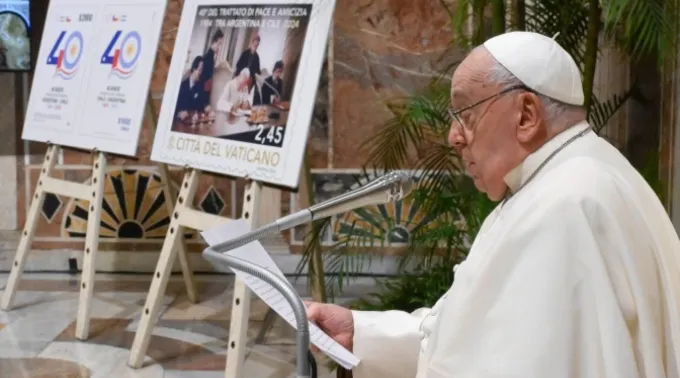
{"type": "Point", "coordinates": [389, 188]}
{"type": "Point", "coordinates": [392, 187]}
{"type": "Point", "coordinates": [286, 289]}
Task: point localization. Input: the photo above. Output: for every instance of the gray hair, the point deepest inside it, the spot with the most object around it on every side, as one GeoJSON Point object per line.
{"type": "Point", "coordinates": [244, 73]}
{"type": "Point", "coordinates": [553, 108]}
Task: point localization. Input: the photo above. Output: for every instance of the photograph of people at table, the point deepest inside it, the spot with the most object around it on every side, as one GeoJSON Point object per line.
{"type": "Point", "coordinates": [240, 72]}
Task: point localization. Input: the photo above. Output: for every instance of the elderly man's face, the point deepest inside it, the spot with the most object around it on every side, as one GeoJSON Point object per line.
{"type": "Point", "coordinates": [244, 83]}
{"type": "Point", "coordinates": [487, 137]}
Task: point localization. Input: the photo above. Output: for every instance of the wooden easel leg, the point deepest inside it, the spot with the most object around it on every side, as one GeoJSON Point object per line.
{"type": "Point", "coordinates": [240, 310]}
{"type": "Point", "coordinates": [317, 281]}
{"type": "Point", "coordinates": [91, 247]}
{"type": "Point", "coordinates": [170, 198]}
{"type": "Point", "coordinates": [169, 193]}
{"type": "Point", "coordinates": [163, 271]}
{"type": "Point", "coordinates": [29, 228]}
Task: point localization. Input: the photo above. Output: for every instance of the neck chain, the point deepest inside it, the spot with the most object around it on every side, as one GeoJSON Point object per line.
{"type": "Point", "coordinates": [543, 164]}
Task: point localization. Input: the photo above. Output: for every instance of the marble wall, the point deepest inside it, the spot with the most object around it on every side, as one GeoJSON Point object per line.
{"type": "Point", "coordinates": [378, 50]}
{"type": "Point", "coordinates": [384, 49]}
{"type": "Point", "coordinates": [8, 153]}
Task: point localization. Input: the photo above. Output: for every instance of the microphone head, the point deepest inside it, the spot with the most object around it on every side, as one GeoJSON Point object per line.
{"type": "Point", "coordinates": [400, 185]}
{"type": "Point", "coordinates": [391, 187]}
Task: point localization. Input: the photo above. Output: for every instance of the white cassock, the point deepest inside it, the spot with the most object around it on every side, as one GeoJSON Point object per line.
{"type": "Point", "coordinates": [231, 96]}
{"type": "Point", "coordinates": [577, 275]}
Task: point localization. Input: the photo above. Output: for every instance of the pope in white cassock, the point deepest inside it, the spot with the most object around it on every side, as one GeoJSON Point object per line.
{"type": "Point", "coordinates": [576, 273]}
{"type": "Point", "coordinates": [235, 95]}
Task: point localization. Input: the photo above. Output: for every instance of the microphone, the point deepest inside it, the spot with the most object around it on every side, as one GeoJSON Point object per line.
{"type": "Point", "coordinates": [264, 81]}
{"type": "Point", "coordinates": [391, 187]}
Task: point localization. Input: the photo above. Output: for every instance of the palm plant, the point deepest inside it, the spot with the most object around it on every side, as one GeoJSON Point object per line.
{"type": "Point", "coordinates": [420, 123]}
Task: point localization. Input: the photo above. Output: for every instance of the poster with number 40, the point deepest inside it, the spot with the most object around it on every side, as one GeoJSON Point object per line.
{"type": "Point", "coordinates": [93, 74]}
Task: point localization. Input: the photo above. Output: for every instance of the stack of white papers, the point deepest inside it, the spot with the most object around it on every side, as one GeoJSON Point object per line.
{"type": "Point", "coordinates": [256, 254]}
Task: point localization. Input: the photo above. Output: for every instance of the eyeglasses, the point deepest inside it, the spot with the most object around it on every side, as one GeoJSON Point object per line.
{"type": "Point", "coordinates": [455, 114]}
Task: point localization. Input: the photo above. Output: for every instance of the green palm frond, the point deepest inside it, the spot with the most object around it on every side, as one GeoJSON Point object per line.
{"type": "Point", "coordinates": [312, 238]}
{"type": "Point", "coordinates": [643, 26]}
{"type": "Point", "coordinates": [341, 262]}
{"type": "Point", "coordinates": [391, 144]}
{"type": "Point", "coordinates": [460, 18]}
{"type": "Point", "coordinates": [438, 162]}
{"type": "Point", "coordinates": [601, 112]}
{"type": "Point", "coordinates": [569, 18]}
{"type": "Point", "coordinates": [345, 260]}
{"type": "Point", "coordinates": [415, 119]}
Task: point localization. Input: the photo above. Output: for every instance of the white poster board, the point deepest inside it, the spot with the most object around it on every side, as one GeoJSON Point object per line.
{"type": "Point", "coordinates": [93, 74]}
{"type": "Point", "coordinates": [242, 86]}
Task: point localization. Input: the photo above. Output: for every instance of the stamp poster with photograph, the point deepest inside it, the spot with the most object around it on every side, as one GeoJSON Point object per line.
{"type": "Point", "coordinates": [242, 87]}
{"type": "Point", "coordinates": [93, 73]}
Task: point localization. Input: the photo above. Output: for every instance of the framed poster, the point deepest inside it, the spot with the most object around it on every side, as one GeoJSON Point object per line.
{"type": "Point", "coordinates": [242, 87]}
{"type": "Point", "coordinates": [93, 74]}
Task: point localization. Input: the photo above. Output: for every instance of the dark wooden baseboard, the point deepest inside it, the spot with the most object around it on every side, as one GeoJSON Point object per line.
{"type": "Point", "coordinates": [342, 373]}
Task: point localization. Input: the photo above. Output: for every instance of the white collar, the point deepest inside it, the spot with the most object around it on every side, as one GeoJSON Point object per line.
{"type": "Point", "coordinates": [518, 175]}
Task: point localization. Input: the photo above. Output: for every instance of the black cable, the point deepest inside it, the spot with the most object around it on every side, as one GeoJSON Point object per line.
{"type": "Point", "coordinates": [312, 364]}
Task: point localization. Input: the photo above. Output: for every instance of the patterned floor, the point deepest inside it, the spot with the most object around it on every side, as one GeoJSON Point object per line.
{"type": "Point", "coordinates": [37, 337]}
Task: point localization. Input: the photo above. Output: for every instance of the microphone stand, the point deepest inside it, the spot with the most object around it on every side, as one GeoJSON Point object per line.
{"type": "Point", "coordinates": [392, 187]}
{"type": "Point", "coordinates": [306, 364]}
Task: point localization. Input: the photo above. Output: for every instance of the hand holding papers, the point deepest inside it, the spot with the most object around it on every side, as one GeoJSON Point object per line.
{"type": "Point", "coordinates": [255, 253]}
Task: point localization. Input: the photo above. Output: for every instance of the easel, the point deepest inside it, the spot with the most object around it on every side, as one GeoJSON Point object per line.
{"type": "Point", "coordinates": [255, 212]}
{"type": "Point", "coordinates": [94, 194]}
{"type": "Point", "coordinates": [185, 216]}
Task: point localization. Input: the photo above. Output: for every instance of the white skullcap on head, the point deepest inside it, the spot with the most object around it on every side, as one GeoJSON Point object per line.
{"type": "Point", "coordinates": [540, 63]}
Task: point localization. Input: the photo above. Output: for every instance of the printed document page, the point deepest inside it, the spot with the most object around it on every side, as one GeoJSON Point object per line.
{"type": "Point", "coordinates": [255, 253]}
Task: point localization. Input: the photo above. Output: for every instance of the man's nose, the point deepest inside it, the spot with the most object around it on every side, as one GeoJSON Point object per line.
{"type": "Point", "coordinates": [456, 138]}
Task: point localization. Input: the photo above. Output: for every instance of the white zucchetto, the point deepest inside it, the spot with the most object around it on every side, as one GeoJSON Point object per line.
{"type": "Point", "coordinates": [540, 63]}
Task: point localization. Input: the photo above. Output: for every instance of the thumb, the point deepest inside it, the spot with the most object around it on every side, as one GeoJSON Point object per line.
{"type": "Point", "coordinates": [313, 311]}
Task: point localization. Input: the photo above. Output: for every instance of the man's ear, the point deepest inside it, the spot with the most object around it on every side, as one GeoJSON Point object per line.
{"type": "Point", "coordinates": [531, 117]}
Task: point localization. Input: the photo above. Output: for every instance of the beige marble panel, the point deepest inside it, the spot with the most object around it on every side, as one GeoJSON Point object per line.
{"type": "Point", "coordinates": [8, 152]}
{"type": "Point", "coordinates": [383, 50]}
